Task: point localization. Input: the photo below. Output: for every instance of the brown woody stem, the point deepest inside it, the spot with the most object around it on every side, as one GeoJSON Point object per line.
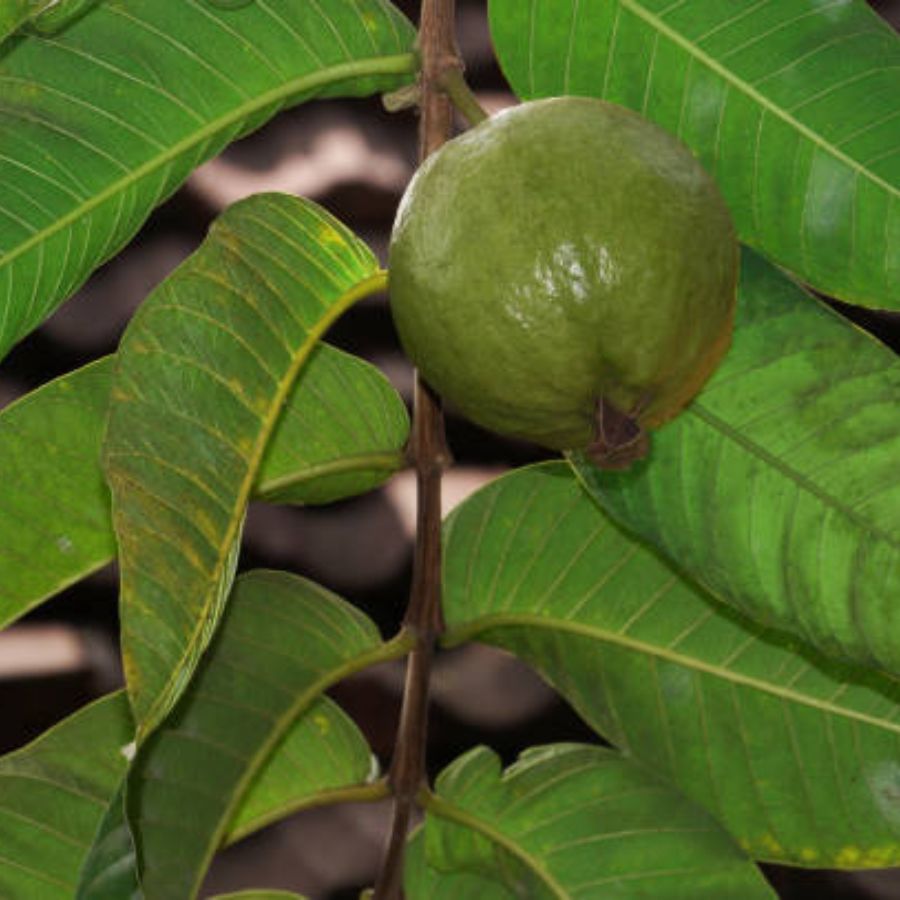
{"type": "Point", "coordinates": [437, 41]}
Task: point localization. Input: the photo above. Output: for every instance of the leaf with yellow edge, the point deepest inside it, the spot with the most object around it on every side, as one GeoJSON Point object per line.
{"type": "Point", "coordinates": [796, 754]}
{"type": "Point", "coordinates": [342, 432]}
{"type": "Point", "coordinates": [202, 375]}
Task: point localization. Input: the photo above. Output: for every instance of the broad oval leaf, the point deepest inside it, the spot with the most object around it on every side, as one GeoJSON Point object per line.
{"type": "Point", "coordinates": [571, 820]}
{"type": "Point", "coordinates": [342, 432]}
{"type": "Point", "coordinates": [55, 526]}
{"type": "Point", "coordinates": [16, 13]}
{"type": "Point", "coordinates": [791, 105]}
{"type": "Point", "coordinates": [109, 871]}
{"type": "Point", "coordinates": [53, 794]}
{"type": "Point", "coordinates": [202, 374]}
{"type": "Point", "coordinates": [422, 882]}
{"type": "Point", "coordinates": [259, 895]}
{"type": "Point", "coordinates": [100, 123]}
{"type": "Point", "coordinates": [56, 15]}
{"type": "Point", "coordinates": [797, 755]}
{"type": "Point", "coordinates": [321, 759]}
{"type": "Point", "coordinates": [283, 641]}
{"type": "Point", "coordinates": [779, 487]}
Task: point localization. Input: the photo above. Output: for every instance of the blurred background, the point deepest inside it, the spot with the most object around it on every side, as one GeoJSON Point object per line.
{"type": "Point", "coordinates": [355, 159]}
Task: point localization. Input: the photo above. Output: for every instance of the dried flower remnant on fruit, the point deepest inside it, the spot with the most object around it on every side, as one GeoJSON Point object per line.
{"type": "Point", "coordinates": [619, 439]}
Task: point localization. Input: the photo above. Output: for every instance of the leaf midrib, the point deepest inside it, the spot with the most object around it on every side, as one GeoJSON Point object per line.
{"type": "Point", "coordinates": [369, 792]}
{"type": "Point", "coordinates": [741, 85]}
{"type": "Point", "coordinates": [389, 461]}
{"type": "Point", "coordinates": [366, 287]}
{"type": "Point", "coordinates": [400, 64]}
{"type": "Point", "coordinates": [436, 805]}
{"type": "Point", "coordinates": [723, 428]}
{"type": "Point", "coordinates": [454, 636]}
{"type": "Point", "coordinates": [396, 648]}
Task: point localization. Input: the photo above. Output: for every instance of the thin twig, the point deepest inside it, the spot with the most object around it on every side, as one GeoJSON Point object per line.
{"type": "Point", "coordinates": [437, 42]}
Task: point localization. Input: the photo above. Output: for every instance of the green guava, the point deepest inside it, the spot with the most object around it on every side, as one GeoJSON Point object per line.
{"type": "Point", "coordinates": [565, 272]}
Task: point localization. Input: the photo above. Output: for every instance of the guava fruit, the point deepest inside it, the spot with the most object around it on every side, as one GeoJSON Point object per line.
{"type": "Point", "coordinates": [565, 272]}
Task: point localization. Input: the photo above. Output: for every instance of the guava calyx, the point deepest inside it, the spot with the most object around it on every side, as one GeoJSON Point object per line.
{"type": "Point", "coordinates": [619, 439]}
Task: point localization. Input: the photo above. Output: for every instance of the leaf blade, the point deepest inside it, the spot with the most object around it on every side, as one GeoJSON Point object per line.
{"type": "Point", "coordinates": [576, 820]}
{"type": "Point", "coordinates": [259, 895]}
{"type": "Point", "coordinates": [793, 448]}
{"type": "Point", "coordinates": [52, 796]}
{"type": "Point", "coordinates": [423, 882]}
{"type": "Point", "coordinates": [55, 519]}
{"type": "Point", "coordinates": [55, 526]}
{"type": "Point", "coordinates": [224, 763]}
{"type": "Point", "coordinates": [203, 372]}
{"type": "Point", "coordinates": [748, 86]}
{"type": "Point", "coordinates": [710, 700]}
{"type": "Point", "coordinates": [175, 104]}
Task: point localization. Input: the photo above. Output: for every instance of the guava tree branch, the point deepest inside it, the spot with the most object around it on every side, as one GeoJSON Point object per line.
{"type": "Point", "coordinates": [437, 43]}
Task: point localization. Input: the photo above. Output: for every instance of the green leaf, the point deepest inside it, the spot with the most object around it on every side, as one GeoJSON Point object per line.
{"type": "Point", "coordinates": [102, 122]}
{"type": "Point", "coordinates": [233, 756]}
{"type": "Point", "coordinates": [323, 758]}
{"type": "Point", "coordinates": [791, 105]}
{"type": "Point", "coordinates": [422, 882]}
{"type": "Point", "coordinates": [795, 754]}
{"type": "Point", "coordinates": [42, 16]}
{"type": "Point", "coordinates": [110, 868]}
{"type": "Point", "coordinates": [16, 13]}
{"type": "Point", "coordinates": [53, 794]}
{"type": "Point", "coordinates": [53, 17]}
{"type": "Point", "coordinates": [778, 488]}
{"type": "Point", "coordinates": [342, 433]}
{"type": "Point", "coordinates": [579, 821]}
{"type": "Point", "coordinates": [55, 525]}
{"type": "Point", "coordinates": [259, 895]}
{"type": "Point", "coordinates": [203, 372]}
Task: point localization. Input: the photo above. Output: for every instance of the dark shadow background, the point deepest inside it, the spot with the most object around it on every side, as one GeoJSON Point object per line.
{"type": "Point", "coordinates": [355, 159]}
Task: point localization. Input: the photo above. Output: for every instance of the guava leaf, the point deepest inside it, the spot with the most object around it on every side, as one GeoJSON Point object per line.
{"type": "Point", "coordinates": [53, 794]}
{"type": "Point", "coordinates": [55, 526]}
{"type": "Point", "coordinates": [202, 374]}
{"type": "Point", "coordinates": [284, 640]}
{"type": "Point", "coordinates": [422, 882]}
{"type": "Point", "coordinates": [342, 432]}
{"type": "Point", "coordinates": [571, 820]}
{"type": "Point", "coordinates": [779, 488]}
{"type": "Point", "coordinates": [42, 16]}
{"type": "Point", "coordinates": [100, 123]}
{"type": "Point", "coordinates": [220, 775]}
{"type": "Point", "coordinates": [53, 17]}
{"type": "Point", "coordinates": [109, 871]}
{"type": "Point", "coordinates": [259, 895]}
{"type": "Point", "coordinates": [321, 758]}
{"type": "Point", "coordinates": [792, 106]}
{"type": "Point", "coordinates": [15, 14]}
{"type": "Point", "coordinates": [795, 754]}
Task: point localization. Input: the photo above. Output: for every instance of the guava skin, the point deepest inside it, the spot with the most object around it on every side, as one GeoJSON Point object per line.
{"type": "Point", "coordinates": [563, 254]}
